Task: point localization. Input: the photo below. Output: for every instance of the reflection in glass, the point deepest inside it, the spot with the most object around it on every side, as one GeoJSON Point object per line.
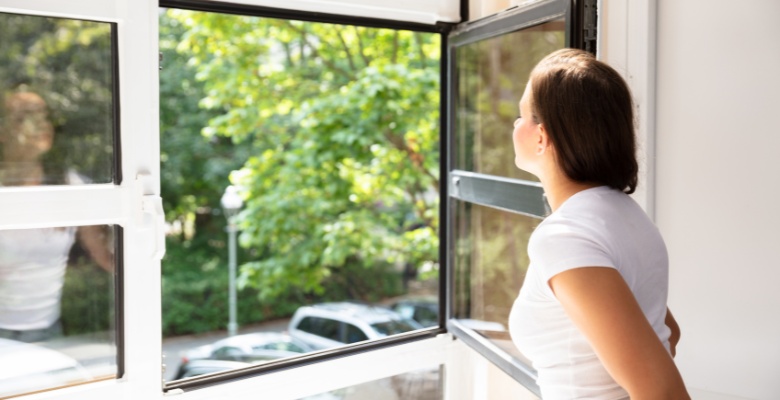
{"type": "Point", "coordinates": [490, 260]}
{"type": "Point", "coordinates": [492, 75]}
{"type": "Point", "coordinates": [415, 385]}
{"type": "Point", "coordinates": [56, 101]}
{"type": "Point", "coordinates": [332, 133]}
{"type": "Point", "coordinates": [57, 315]}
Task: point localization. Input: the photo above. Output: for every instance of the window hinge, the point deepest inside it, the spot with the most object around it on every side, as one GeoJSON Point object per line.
{"type": "Point", "coordinates": [589, 26]}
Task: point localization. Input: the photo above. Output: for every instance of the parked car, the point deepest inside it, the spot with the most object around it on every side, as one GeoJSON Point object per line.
{"type": "Point", "coordinates": [248, 349]}
{"type": "Point", "coordinates": [29, 367]}
{"type": "Point", "coordinates": [205, 366]}
{"type": "Point", "coordinates": [423, 309]}
{"type": "Point", "coordinates": [327, 325]}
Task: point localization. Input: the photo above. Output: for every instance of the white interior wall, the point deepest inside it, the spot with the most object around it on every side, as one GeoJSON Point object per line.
{"type": "Point", "coordinates": [470, 376]}
{"type": "Point", "coordinates": [717, 148]}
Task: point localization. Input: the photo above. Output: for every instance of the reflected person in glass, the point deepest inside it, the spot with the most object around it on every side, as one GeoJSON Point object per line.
{"type": "Point", "coordinates": [592, 313]}
{"type": "Point", "coordinates": [33, 261]}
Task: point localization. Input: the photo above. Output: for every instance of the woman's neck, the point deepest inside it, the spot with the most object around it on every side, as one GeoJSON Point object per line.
{"type": "Point", "coordinates": [558, 188]}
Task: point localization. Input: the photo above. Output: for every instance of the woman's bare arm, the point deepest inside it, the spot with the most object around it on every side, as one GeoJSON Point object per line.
{"type": "Point", "coordinates": [602, 306]}
{"type": "Point", "coordinates": [93, 239]}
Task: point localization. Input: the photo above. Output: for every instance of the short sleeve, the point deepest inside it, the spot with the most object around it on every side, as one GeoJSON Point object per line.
{"type": "Point", "coordinates": [558, 246]}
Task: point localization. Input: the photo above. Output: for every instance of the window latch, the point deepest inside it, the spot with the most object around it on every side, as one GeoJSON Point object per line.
{"type": "Point", "coordinates": [152, 208]}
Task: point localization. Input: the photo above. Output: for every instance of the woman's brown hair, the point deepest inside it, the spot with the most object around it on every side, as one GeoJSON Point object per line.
{"type": "Point", "coordinates": [586, 108]}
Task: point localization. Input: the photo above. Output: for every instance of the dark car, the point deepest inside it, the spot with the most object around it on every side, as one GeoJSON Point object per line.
{"type": "Point", "coordinates": [206, 366]}
{"type": "Point", "coordinates": [423, 309]}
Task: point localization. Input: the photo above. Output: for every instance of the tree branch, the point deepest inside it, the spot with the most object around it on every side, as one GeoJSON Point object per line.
{"type": "Point", "coordinates": [366, 59]}
{"type": "Point", "coordinates": [423, 59]}
{"type": "Point", "coordinates": [316, 53]}
{"type": "Point", "coordinates": [288, 53]}
{"type": "Point", "coordinates": [346, 50]}
{"type": "Point", "coordinates": [395, 48]}
{"type": "Point", "coordinates": [417, 159]}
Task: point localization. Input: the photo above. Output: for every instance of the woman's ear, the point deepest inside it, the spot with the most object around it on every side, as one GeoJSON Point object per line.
{"type": "Point", "coordinates": [542, 139]}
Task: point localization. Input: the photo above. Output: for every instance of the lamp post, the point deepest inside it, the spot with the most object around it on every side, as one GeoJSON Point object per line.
{"type": "Point", "coordinates": [231, 204]}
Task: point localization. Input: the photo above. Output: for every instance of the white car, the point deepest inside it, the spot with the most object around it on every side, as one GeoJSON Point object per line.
{"type": "Point", "coordinates": [328, 325]}
{"type": "Point", "coordinates": [28, 367]}
{"type": "Point", "coordinates": [250, 348]}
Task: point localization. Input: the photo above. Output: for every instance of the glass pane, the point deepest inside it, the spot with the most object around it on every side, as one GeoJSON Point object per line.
{"type": "Point", "coordinates": [490, 263]}
{"type": "Point", "coordinates": [415, 385]}
{"type": "Point", "coordinates": [56, 101]}
{"type": "Point", "coordinates": [491, 77]}
{"type": "Point", "coordinates": [57, 314]}
{"type": "Point", "coordinates": [330, 135]}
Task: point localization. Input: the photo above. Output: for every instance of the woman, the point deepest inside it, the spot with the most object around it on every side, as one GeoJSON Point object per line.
{"type": "Point", "coordinates": [33, 261]}
{"type": "Point", "coordinates": [592, 312]}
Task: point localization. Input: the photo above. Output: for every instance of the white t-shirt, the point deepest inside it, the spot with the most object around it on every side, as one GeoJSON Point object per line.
{"type": "Point", "coordinates": [598, 227]}
{"type": "Point", "coordinates": [32, 272]}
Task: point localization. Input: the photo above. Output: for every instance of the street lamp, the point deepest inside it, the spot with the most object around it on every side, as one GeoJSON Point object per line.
{"type": "Point", "coordinates": [231, 204]}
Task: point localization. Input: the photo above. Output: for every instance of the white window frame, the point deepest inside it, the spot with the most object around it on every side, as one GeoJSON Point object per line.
{"type": "Point", "coordinates": [419, 11]}
{"type": "Point", "coordinates": [134, 205]}
{"type": "Point", "coordinates": [627, 41]}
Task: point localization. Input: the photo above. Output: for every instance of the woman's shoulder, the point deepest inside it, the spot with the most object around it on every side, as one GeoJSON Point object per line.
{"type": "Point", "coordinates": [593, 215]}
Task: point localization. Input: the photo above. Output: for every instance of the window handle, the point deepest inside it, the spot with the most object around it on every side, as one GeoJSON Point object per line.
{"type": "Point", "coordinates": [151, 205]}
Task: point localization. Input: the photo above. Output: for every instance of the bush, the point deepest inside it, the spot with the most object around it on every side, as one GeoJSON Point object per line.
{"type": "Point", "coordinates": [195, 290]}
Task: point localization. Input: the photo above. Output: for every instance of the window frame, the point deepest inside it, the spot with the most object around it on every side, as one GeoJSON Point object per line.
{"type": "Point", "coordinates": [200, 383]}
{"type": "Point", "coordinates": [123, 205]}
{"type": "Point", "coordinates": [512, 195]}
{"type": "Point", "coordinates": [134, 205]}
{"type": "Point", "coordinates": [48, 206]}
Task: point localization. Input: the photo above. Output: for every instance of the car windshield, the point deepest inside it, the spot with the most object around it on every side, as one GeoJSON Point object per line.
{"type": "Point", "coordinates": [393, 327]}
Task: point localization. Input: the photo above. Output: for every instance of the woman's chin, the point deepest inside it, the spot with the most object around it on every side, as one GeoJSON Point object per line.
{"type": "Point", "coordinates": [521, 165]}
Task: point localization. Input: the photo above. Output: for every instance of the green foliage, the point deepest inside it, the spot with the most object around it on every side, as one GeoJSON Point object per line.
{"type": "Point", "coordinates": [343, 126]}
{"type": "Point", "coordinates": [87, 298]}
{"type": "Point", "coordinates": [195, 291]}
{"type": "Point", "coordinates": [348, 187]}
{"type": "Point", "coordinates": [195, 294]}
{"type": "Point", "coordinates": [194, 167]}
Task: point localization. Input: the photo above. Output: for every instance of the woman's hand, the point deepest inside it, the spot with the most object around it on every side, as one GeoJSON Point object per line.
{"type": "Point", "coordinates": [602, 306]}
{"type": "Point", "coordinates": [674, 338]}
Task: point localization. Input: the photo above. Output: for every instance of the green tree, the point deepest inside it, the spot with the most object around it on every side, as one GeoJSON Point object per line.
{"type": "Point", "coordinates": [342, 126]}
{"type": "Point", "coordinates": [68, 63]}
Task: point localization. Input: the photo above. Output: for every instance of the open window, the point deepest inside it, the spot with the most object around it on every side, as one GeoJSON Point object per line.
{"type": "Point", "coordinates": [329, 131]}
{"type": "Point", "coordinates": [466, 79]}
{"type": "Point", "coordinates": [493, 207]}
{"type": "Point", "coordinates": [321, 109]}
